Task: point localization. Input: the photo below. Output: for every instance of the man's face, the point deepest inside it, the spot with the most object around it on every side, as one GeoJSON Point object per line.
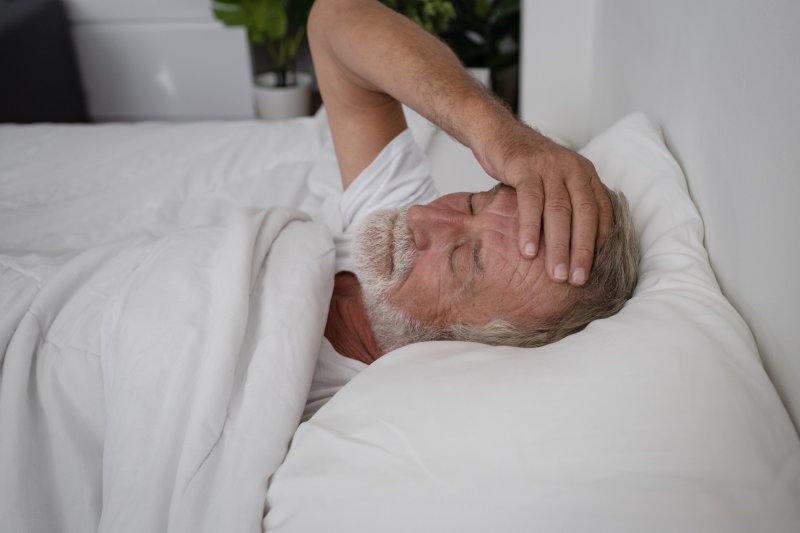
{"type": "Point", "coordinates": [455, 260]}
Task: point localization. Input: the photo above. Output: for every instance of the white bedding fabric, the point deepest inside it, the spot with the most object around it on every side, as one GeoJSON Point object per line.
{"type": "Point", "coordinates": [205, 340]}
{"type": "Point", "coordinates": [659, 419]}
{"type": "Point", "coordinates": [89, 215]}
{"type": "Point", "coordinates": [160, 320]}
{"type": "Point", "coordinates": [160, 323]}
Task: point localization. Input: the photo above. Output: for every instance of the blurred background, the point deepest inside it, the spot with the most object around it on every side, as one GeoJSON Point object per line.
{"type": "Point", "coordinates": [116, 60]}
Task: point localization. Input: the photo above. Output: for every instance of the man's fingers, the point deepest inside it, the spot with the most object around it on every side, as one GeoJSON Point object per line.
{"type": "Point", "coordinates": [560, 192]}
{"type": "Point", "coordinates": [530, 199]}
{"type": "Point", "coordinates": [557, 222]}
{"type": "Point", "coordinates": [584, 232]}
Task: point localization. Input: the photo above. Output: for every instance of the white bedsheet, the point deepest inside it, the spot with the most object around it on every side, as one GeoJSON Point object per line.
{"type": "Point", "coordinates": [154, 384]}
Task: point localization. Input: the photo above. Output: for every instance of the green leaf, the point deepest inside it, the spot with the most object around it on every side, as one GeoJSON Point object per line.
{"type": "Point", "coordinates": [481, 8]}
{"type": "Point", "coordinates": [229, 13]}
{"type": "Point", "coordinates": [276, 23]}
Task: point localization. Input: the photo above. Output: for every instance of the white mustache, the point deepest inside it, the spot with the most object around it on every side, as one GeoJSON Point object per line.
{"type": "Point", "coordinates": [384, 249]}
{"type": "Point", "coordinates": [403, 252]}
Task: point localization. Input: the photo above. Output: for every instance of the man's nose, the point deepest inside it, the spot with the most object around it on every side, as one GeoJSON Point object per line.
{"type": "Point", "coordinates": [431, 225]}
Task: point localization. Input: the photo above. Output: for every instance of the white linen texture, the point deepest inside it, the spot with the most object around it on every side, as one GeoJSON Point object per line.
{"type": "Point", "coordinates": [206, 341]}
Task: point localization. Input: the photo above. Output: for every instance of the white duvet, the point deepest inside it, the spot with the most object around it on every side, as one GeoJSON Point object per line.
{"type": "Point", "coordinates": [195, 351]}
{"type": "Point", "coordinates": [160, 319]}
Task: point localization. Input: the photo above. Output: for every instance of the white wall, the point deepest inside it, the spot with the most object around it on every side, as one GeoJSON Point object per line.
{"type": "Point", "coordinates": [555, 66]}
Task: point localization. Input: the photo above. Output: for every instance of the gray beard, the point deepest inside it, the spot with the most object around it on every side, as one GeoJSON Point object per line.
{"type": "Point", "coordinates": [384, 255]}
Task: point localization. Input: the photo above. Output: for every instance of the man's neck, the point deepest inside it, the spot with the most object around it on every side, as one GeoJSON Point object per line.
{"type": "Point", "coordinates": [348, 328]}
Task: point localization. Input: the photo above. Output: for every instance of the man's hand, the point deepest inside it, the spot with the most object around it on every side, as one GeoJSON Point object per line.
{"type": "Point", "coordinates": [557, 189]}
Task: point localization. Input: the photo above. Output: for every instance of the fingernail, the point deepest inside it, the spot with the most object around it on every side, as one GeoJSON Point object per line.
{"type": "Point", "coordinates": [561, 272]}
{"type": "Point", "coordinates": [579, 276]}
{"type": "Point", "coordinates": [530, 249]}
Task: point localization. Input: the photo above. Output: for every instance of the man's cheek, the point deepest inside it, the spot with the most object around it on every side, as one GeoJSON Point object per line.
{"type": "Point", "coordinates": [434, 297]}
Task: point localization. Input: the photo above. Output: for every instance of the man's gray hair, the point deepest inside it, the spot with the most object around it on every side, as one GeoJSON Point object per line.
{"type": "Point", "coordinates": [610, 284]}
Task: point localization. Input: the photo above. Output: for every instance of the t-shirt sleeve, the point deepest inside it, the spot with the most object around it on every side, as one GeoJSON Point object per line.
{"type": "Point", "coordinates": [397, 177]}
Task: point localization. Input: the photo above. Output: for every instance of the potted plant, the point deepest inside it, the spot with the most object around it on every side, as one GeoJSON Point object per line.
{"type": "Point", "coordinates": [485, 33]}
{"type": "Point", "coordinates": [278, 27]}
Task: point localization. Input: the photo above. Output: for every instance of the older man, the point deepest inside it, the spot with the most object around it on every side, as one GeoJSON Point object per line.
{"type": "Point", "coordinates": [505, 266]}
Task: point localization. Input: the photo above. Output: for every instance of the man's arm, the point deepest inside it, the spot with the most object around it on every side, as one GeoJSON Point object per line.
{"type": "Point", "coordinates": [368, 59]}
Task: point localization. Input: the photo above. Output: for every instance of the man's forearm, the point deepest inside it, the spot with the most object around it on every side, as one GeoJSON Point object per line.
{"type": "Point", "coordinates": [387, 53]}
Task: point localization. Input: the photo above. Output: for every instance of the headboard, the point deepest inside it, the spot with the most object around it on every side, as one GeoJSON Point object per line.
{"type": "Point", "coordinates": [722, 80]}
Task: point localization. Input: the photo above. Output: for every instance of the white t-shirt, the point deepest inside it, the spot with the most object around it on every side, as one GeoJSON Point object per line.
{"type": "Point", "coordinates": [397, 177]}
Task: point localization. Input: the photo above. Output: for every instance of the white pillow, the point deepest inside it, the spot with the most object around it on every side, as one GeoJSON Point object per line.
{"type": "Point", "coordinates": [660, 418]}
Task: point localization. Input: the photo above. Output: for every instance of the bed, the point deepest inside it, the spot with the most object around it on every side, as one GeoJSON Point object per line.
{"type": "Point", "coordinates": [164, 288]}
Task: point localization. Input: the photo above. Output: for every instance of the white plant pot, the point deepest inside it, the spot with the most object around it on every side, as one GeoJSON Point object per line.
{"type": "Point", "coordinates": [279, 103]}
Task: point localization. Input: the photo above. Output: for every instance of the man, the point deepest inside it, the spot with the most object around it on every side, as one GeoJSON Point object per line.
{"type": "Point", "coordinates": [505, 266]}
